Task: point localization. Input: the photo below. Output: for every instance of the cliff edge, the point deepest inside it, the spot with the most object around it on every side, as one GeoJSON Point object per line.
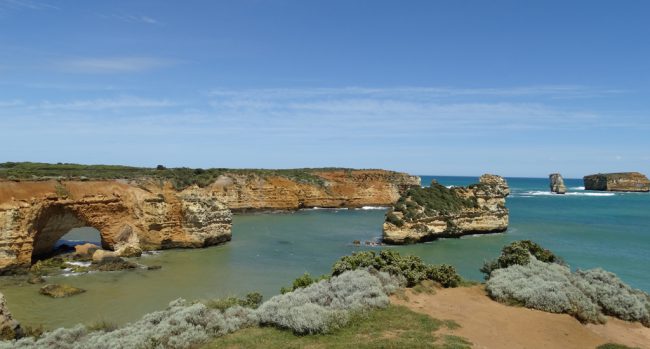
{"type": "Point", "coordinates": [424, 214]}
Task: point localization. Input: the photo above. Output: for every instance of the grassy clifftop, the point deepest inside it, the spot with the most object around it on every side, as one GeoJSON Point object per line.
{"type": "Point", "coordinates": [181, 177]}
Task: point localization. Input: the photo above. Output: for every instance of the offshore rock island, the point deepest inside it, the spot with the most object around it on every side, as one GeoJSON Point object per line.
{"type": "Point", "coordinates": [623, 181]}
{"type": "Point", "coordinates": [137, 209]}
{"type": "Point", "coordinates": [424, 214]}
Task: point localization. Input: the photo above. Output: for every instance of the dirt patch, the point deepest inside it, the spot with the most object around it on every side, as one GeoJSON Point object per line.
{"type": "Point", "coordinates": [488, 324]}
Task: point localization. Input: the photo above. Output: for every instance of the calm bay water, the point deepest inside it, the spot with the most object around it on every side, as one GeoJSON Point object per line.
{"type": "Point", "coordinates": [588, 229]}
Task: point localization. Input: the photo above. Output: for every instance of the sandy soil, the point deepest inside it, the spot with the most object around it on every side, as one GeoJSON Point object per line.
{"type": "Point", "coordinates": [488, 324]}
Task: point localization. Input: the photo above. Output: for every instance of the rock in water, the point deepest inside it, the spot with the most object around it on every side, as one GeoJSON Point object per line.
{"type": "Point", "coordinates": [60, 291]}
{"type": "Point", "coordinates": [624, 181]}
{"type": "Point", "coordinates": [423, 214]}
{"type": "Point", "coordinates": [557, 183]}
{"type": "Point", "coordinates": [9, 328]}
{"type": "Point", "coordinates": [86, 250]}
{"type": "Point", "coordinates": [103, 256]}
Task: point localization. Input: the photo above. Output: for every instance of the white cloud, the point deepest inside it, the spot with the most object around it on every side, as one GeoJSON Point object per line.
{"type": "Point", "coordinates": [26, 5]}
{"type": "Point", "coordinates": [113, 64]}
{"type": "Point", "coordinates": [143, 19]}
{"type": "Point", "coordinates": [120, 103]}
{"type": "Point", "coordinates": [13, 103]}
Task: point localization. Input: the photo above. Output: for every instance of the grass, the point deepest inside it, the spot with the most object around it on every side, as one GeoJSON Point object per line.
{"type": "Point", "coordinates": [614, 346]}
{"type": "Point", "coordinates": [180, 177]}
{"type": "Point", "coordinates": [393, 327]}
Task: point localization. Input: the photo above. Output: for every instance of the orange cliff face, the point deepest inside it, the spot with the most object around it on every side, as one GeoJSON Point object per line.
{"type": "Point", "coordinates": [146, 214]}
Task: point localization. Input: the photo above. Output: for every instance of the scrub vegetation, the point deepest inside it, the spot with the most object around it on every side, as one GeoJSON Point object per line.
{"type": "Point", "coordinates": [538, 281]}
{"type": "Point", "coordinates": [418, 203]}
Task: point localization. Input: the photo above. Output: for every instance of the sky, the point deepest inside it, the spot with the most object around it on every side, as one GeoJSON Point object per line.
{"type": "Point", "coordinates": [517, 88]}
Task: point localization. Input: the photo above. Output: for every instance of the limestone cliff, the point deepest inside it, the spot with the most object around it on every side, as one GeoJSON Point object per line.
{"type": "Point", "coordinates": [624, 181]}
{"type": "Point", "coordinates": [152, 213]}
{"type": "Point", "coordinates": [424, 214]}
{"type": "Point", "coordinates": [35, 215]}
{"type": "Point", "coordinates": [9, 328]}
{"type": "Point", "coordinates": [557, 183]}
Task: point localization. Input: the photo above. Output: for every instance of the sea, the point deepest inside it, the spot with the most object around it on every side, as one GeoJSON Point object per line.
{"type": "Point", "coordinates": [587, 229]}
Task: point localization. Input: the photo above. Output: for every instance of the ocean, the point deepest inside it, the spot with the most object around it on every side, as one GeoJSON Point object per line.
{"type": "Point", "coordinates": [269, 250]}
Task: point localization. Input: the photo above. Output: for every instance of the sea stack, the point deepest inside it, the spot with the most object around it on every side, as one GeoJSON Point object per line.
{"type": "Point", "coordinates": [623, 181]}
{"type": "Point", "coordinates": [557, 183]}
{"type": "Point", "coordinates": [424, 214]}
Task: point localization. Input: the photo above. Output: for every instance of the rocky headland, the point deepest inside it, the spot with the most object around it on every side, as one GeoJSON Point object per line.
{"type": "Point", "coordinates": [137, 209]}
{"type": "Point", "coordinates": [424, 214]}
{"type": "Point", "coordinates": [557, 183]}
{"type": "Point", "coordinates": [623, 181]}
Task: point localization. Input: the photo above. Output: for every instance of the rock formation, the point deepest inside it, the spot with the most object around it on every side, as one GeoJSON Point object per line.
{"type": "Point", "coordinates": [150, 213]}
{"type": "Point", "coordinates": [624, 181]}
{"type": "Point", "coordinates": [557, 183]}
{"type": "Point", "coordinates": [9, 328]}
{"type": "Point", "coordinates": [423, 214]}
{"type": "Point", "coordinates": [60, 291]}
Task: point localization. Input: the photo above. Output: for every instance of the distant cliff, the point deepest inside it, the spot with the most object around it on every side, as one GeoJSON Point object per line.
{"type": "Point", "coordinates": [146, 210]}
{"type": "Point", "coordinates": [423, 214]}
{"type": "Point", "coordinates": [624, 181]}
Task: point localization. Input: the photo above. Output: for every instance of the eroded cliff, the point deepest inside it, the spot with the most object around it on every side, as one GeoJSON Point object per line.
{"type": "Point", "coordinates": [424, 214]}
{"type": "Point", "coordinates": [152, 213]}
{"type": "Point", "coordinates": [624, 181]}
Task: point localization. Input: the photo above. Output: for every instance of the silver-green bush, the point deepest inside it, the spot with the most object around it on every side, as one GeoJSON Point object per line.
{"type": "Point", "coordinates": [587, 295]}
{"type": "Point", "coordinates": [314, 309]}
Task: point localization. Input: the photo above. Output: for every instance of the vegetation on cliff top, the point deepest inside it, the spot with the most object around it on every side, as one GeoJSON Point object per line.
{"type": "Point", "coordinates": [181, 177]}
{"type": "Point", "coordinates": [418, 203]}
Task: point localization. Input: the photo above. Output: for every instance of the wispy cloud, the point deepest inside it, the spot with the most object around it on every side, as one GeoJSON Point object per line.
{"type": "Point", "coordinates": [12, 103]}
{"type": "Point", "coordinates": [107, 65]}
{"type": "Point", "coordinates": [129, 18]}
{"type": "Point", "coordinates": [120, 103]}
{"type": "Point", "coordinates": [26, 5]}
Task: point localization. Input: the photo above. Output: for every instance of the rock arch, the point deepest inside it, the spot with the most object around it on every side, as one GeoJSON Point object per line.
{"type": "Point", "coordinates": [129, 218]}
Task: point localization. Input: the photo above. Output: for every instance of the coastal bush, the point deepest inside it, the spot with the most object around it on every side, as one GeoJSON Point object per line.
{"type": "Point", "coordinates": [302, 281]}
{"type": "Point", "coordinates": [614, 297]}
{"type": "Point", "coordinates": [251, 300]}
{"type": "Point", "coordinates": [327, 304]}
{"type": "Point", "coordinates": [587, 295]}
{"type": "Point", "coordinates": [518, 253]}
{"type": "Point", "coordinates": [410, 267]}
{"type": "Point", "coordinates": [436, 199]}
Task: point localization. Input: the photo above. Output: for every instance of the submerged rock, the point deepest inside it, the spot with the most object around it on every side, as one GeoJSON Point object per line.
{"type": "Point", "coordinates": [114, 265]}
{"type": "Point", "coordinates": [424, 214]}
{"type": "Point", "coordinates": [557, 183]}
{"type": "Point", "coordinates": [35, 279]}
{"type": "Point", "coordinates": [623, 181]}
{"type": "Point", "coordinates": [60, 290]}
{"type": "Point", "coordinates": [9, 328]}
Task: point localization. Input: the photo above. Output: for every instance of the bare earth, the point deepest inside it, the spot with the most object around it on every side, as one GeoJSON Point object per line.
{"type": "Point", "coordinates": [488, 324]}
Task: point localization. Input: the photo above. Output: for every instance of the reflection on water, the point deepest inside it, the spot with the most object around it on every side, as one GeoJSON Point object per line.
{"type": "Point", "coordinates": [269, 250]}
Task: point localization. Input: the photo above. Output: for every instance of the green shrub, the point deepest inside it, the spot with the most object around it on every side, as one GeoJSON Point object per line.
{"type": "Point", "coordinates": [518, 253]}
{"type": "Point", "coordinates": [251, 300]}
{"type": "Point", "coordinates": [393, 219]}
{"type": "Point", "coordinates": [410, 267]}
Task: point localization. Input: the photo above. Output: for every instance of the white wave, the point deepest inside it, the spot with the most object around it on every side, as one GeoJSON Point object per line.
{"type": "Point", "coordinates": [450, 186]}
{"type": "Point", "coordinates": [548, 193]}
{"type": "Point", "coordinates": [79, 264]}
{"type": "Point", "coordinates": [577, 188]}
{"type": "Point", "coordinates": [374, 208]}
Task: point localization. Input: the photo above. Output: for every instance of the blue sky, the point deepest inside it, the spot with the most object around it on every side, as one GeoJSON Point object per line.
{"type": "Point", "coordinates": [519, 88]}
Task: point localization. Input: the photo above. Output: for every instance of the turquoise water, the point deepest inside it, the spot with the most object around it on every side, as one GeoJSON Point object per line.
{"type": "Point", "coordinates": [588, 229]}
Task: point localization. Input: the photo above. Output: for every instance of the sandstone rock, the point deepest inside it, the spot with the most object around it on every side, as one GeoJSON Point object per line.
{"type": "Point", "coordinates": [35, 279]}
{"type": "Point", "coordinates": [60, 290]}
{"type": "Point", "coordinates": [154, 267]}
{"type": "Point", "coordinates": [9, 328]}
{"type": "Point", "coordinates": [424, 214]}
{"type": "Point", "coordinates": [624, 181]}
{"type": "Point", "coordinates": [86, 250]}
{"type": "Point", "coordinates": [103, 256]}
{"type": "Point", "coordinates": [557, 183]}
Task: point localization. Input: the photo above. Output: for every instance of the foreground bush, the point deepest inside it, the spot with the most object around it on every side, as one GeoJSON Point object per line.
{"type": "Point", "coordinates": [586, 295]}
{"type": "Point", "coordinates": [410, 267]}
{"type": "Point", "coordinates": [317, 308]}
{"type": "Point", "coordinates": [518, 253]}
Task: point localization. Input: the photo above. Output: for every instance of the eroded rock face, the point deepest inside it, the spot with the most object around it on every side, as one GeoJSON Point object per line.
{"type": "Point", "coordinates": [623, 181]}
{"type": "Point", "coordinates": [557, 183]}
{"type": "Point", "coordinates": [9, 328]}
{"type": "Point", "coordinates": [428, 213]}
{"type": "Point", "coordinates": [130, 218]}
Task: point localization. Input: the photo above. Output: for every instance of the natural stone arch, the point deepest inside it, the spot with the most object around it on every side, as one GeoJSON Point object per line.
{"type": "Point", "coordinates": [56, 218]}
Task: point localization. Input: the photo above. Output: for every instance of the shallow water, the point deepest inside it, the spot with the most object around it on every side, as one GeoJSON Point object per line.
{"type": "Point", "coordinates": [269, 250]}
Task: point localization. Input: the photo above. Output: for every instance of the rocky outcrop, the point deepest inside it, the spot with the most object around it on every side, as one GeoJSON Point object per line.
{"type": "Point", "coordinates": [424, 214]}
{"type": "Point", "coordinates": [60, 291]}
{"type": "Point", "coordinates": [129, 217]}
{"type": "Point", "coordinates": [332, 188]}
{"type": "Point", "coordinates": [623, 181]}
{"type": "Point", "coordinates": [150, 213]}
{"type": "Point", "coordinates": [9, 328]}
{"type": "Point", "coordinates": [557, 183]}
